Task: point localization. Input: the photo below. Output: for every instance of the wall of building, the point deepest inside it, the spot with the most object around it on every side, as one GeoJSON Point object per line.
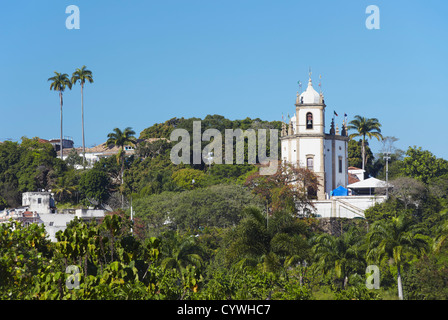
{"type": "Point", "coordinates": [55, 222]}
{"type": "Point", "coordinates": [335, 149]}
{"type": "Point", "coordinates": [39, 202]}
{"type": "Point", "coordinates": [346, 207]}
{"type": "Point", "coordinates": [311, 147]}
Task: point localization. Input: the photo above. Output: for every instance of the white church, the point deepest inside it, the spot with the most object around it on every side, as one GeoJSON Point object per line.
{"type": "Point", "coordinates": [305, 143]}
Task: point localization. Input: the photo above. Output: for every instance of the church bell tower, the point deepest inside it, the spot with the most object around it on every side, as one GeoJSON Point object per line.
{"type": "Point", "coordinates": [305, 143]}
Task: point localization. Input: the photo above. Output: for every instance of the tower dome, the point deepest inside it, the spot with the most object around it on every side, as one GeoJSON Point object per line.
{"type": "Point", "coordinates": [310, 96]}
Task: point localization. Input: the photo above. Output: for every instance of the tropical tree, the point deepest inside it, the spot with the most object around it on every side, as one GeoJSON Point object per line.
{"type": "Point", "coordinates": [342, 254]}
{"type": "Point", "coordinates": [364, 127]}
{"type": "Point", "coordinates": [398, 238]}
{"type": "Point", "coordinates": [95, 185]}
{"type": "Point", "coordinates": [120, 139]}
{"type": "Point", "coordinates": [289, 189]}
{"type": "Point", "coordinates": [82, 75]}
{"type": "Point", "coordinates": [59, 82]}
{"type": "Point", "coordinates": [423, 165]}
{"type": "Point", "coordinates": [180, 252]}
{"type": "Point", "coordinates": [441, 232]}
{"type": "Point", "coordinates": [271, 242]}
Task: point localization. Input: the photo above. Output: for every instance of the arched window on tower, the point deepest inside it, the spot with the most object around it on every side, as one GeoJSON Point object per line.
{"type": "Point", "coordinates": [309, 120]}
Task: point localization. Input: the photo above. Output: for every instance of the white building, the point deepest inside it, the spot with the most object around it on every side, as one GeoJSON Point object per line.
{"type": "Point", "coordinates": [305, 144]}
{"type": "Point", "coordinates": [38, 207]}
{"type": "Point", "coordinates": [41, 202]}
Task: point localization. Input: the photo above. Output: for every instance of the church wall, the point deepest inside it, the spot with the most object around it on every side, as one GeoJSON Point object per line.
{"type": "Point", "coordinates": [334, 150]}
{"type": "Point", "coordinates": [328, 149]}
{"type": "Point", "coordinates": [288, 147]}
{"type": "Point", "coordinates": [341, 153]}
{"type": "Point", "coordinates": [310, 147]}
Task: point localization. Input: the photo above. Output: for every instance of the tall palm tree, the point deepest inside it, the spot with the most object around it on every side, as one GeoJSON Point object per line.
{"type": "Point", "coordinates": [365, 128]}
{"type": "Point", "coordinates": [342, 254]}
{"type": "Point", "coordinates": [82, 75]}
{"type": "Point", "coordinates": [59, 83]}
{"type": "Point", "coordinates": [120, 139]}
{"type": "Point", "coordinates": [395, 239]}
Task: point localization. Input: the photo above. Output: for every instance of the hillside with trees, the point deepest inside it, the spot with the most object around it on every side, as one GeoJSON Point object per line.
{"type": "Point", "coordinates": [219, 231]}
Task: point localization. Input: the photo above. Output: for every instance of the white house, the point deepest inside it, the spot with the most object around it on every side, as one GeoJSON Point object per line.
{"type": "Point", "coordinates": [38, 207]}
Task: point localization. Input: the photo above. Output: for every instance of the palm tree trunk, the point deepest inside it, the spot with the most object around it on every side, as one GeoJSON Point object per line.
{"type": "Point", "coordinates": [400, 285]}
{"type": "Point", "coordinates": [61, 147]}
{"type": "Point", "coordinates": [363, 151]}
{"type": "Point", "coordinates": [82, 120]}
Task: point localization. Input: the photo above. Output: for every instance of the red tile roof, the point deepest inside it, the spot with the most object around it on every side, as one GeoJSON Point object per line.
{"type": "Point", "coordinates": [352, 178]}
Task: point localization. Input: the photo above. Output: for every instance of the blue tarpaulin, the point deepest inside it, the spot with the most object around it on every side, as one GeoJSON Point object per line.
{"type": "Point", "coordinates": [339, 191]}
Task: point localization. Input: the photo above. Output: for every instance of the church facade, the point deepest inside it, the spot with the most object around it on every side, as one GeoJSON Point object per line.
{"type": "Point", "coordinates": [305, 143]}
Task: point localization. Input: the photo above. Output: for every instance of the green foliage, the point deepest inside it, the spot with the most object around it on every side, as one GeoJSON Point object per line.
{"type": "Point", "coordinates": [218, 206]}
{"type": "Point", "coordinates": [95, 184]}
{"type": "Point", "coordinates": [384, 211]}
{"type": "Point", "coordinates": [358, 292]}
{"type": "Point", "coordinates": [427, 279]}
{"type": "Point", "coordinates": [73, 158]}
{"type": "Point", "coordinates": [233, 234]}
{"type": "Point", "coordinates": [24, 253]}
{"type": "Point", "coordinates": [363, 128]}
{"type": "Point", "coordinates": [189, 179]}
{"type": "Point", "coordinates": [355, 155]}
{"type": "Point", "coordinates": [273, 243]}
{"type": "Point", "coordinates": [3, 203]}
{"type": "Point", "coordinates": [342, 254]}
{"type": "Point", "coordinates": [423, 165]}
{"type": "Point", "coordinates": [28, 166]}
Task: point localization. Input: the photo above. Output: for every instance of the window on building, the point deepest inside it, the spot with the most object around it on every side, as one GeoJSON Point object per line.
{"type": "Point", "coordinates": [312, 193]}
{"type": "Point", "coordinates": [310, 163]}
{"type": "Point", "coordinates": [39, 200]}
{"type": "Point", "coordinates": [340, 164]}
{"type": "Point", "coordinates": [309, 120]}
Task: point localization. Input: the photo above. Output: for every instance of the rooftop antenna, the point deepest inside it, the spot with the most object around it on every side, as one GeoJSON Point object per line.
{"type": "Point", "coordinates": [320, 83]}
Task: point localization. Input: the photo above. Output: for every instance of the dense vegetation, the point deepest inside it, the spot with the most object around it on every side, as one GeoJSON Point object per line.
{"type": "Point", "coordinates": [219, 231]}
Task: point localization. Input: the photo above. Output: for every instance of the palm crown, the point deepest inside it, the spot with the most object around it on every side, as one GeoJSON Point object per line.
{"type": "Point", "coordinates": [121, 138]}
{"type": "Point", "coordinates": [365, 128]}
{"type": "Point", "coordinates": [82, 75]}
{"type": "Point", "coordinates": [59, 82]}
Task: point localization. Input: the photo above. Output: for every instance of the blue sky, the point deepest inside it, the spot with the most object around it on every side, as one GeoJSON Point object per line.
{"type": "Point", "coordinates": [155, 60]}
